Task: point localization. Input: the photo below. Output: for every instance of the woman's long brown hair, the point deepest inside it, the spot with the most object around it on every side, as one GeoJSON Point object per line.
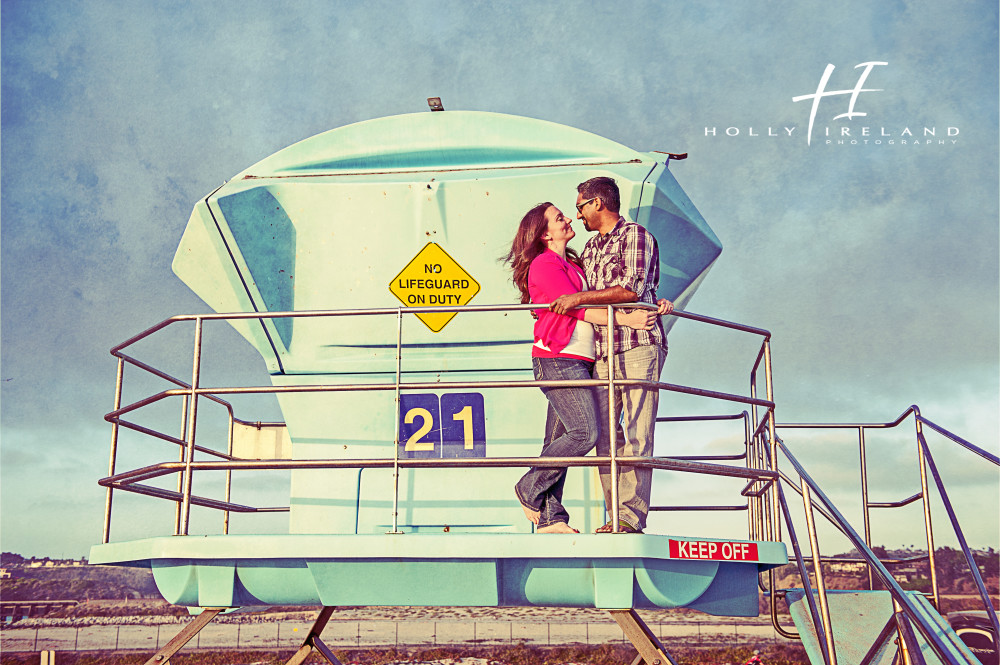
{"type": "Point", "coordinates": [528, 244]}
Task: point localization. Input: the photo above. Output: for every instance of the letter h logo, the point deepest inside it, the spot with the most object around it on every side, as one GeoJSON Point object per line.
{"type": "Point", "coordinates": [854, 92]}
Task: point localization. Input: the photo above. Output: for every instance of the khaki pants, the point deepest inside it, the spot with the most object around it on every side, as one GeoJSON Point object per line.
{"type": "Point", "coordinates": [634, 433]}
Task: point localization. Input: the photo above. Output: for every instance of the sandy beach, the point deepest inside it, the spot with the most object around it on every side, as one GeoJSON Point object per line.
{"type": "Point", "coordinates": [385, 627]}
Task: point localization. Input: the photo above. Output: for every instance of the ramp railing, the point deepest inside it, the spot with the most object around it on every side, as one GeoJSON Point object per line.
{"type": "Point", "coordinates": [758, 478]}
{"type": "Point", "coordinates": [907, 615]}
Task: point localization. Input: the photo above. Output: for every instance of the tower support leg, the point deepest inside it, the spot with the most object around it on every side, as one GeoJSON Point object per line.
{"type": "Point", "coordinates": [313, 641]}
{"type": "Point", "coordinates": [162, 657]}
{"type": "Point", "coordinates": [642, 638]}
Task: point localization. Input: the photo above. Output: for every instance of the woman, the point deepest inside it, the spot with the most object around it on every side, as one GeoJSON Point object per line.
{"type": "Point", "coordinates": [545, 268]}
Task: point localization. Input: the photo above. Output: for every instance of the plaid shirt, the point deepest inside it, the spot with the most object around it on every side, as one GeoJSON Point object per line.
{"type": "Point", "coordinates": [626, 256]}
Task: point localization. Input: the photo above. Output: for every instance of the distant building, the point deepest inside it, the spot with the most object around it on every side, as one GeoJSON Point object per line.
{"type": "Point", "coordinates": [55, 563]}
{"type": "Point", "coordinates": [907, 574]}
{"type": "Point", "coordinates": [4, 574]}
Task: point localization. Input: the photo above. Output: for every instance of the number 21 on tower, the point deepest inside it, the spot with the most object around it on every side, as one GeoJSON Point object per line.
{"type": "Point", "coordinates": [452, 425]}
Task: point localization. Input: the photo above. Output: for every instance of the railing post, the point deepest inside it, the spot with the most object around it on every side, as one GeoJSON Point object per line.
{"type": "Point", "coordinates": [970, 558]}
{"type": "Point", "coordinates": [114, 450]}
{"type": "Point", "coordinates": [612, 421]}
{"type": "Point", "coordinates": [395, 447]}
{"type": "Point", "coordinates": [185, 402]}
{"type": "Point", "coordinates": [902, 644]}
{"type": "Point", "coordinates": [925, 498]}
{"type": "Point", "coordinates": [756, 505]}
{"type": "Point", "coordinates": [764, 501]}
{"type": "Point", "coordinates": [192, 427]}
{"type": "Point", "coordinates": [824, 607]}
{"type": "Point", "coordinates": [864, 499]}
{"type": "Point", "coordinates": [229, 474]}
{"type": "Point", "coordinates": [775, 534]}
{"type": "Point", "coordinates": [751, 463]}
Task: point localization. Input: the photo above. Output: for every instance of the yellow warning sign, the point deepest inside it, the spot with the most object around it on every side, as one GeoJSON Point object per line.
{"type": "Point", "coordinates": [434, 279]}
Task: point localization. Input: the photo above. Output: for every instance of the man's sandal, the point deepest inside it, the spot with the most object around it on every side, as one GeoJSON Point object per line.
{"type": "Point", "coordinates": [623, 527]}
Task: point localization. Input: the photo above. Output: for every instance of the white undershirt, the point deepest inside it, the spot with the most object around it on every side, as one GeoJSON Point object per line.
{"type": "Point", "coordinates": [581, 341]}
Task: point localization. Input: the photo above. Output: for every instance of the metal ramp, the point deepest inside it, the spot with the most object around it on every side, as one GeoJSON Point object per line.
{"type": "Point", "coordinates": [865, 629]}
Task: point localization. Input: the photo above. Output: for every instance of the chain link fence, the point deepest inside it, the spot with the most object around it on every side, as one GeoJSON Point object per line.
{"type": "Point", "coordinates": [375, 633]}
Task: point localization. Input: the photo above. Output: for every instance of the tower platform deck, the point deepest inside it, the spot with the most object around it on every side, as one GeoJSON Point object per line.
{"type": "Point", "coordinates": [608, 571]}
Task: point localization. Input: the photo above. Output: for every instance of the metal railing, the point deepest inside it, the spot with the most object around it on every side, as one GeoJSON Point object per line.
{"type": "Point", "coordinates": [759, 479]}
{"type": "Point", "coordinates": [815, 500]}
{"type": "Point", "coordinates": [764, 491]}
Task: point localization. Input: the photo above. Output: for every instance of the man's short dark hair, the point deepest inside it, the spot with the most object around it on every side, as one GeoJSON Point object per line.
{"type": "Point", "coordinates": [604, 188]}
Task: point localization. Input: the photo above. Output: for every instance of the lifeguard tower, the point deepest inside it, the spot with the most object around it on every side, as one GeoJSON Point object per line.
{"type": "Point", "coordinates": [362, 265]}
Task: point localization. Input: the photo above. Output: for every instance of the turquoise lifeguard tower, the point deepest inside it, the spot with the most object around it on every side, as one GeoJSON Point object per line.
{"type": "Point", "coordinates": [362, 265]}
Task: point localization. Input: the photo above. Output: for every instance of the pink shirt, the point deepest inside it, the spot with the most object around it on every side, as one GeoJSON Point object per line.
{"type": "Point", "coordinates": [551, 276]}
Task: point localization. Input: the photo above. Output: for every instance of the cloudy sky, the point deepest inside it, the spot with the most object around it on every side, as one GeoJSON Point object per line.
{"type": "Point", "coordinates": [872, 257]}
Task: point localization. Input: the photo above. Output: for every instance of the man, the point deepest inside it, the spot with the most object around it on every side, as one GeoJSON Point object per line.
{"type": "Point", "coordinates": [622, 264]}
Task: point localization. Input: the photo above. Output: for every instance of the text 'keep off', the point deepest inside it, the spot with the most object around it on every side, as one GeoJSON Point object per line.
{"type": "Point", "coordinates": [713, 550]}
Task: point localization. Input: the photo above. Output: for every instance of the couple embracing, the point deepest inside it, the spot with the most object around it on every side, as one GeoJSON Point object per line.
{"type": "Point", "coordinates": [619, 264]}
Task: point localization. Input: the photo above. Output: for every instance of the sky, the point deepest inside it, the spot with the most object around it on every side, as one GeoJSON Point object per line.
{"type": "Point", "coordinates": [872, 257]}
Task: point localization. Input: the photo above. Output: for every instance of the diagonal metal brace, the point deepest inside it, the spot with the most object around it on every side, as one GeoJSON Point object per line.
{"type": "Point", "coordinates": [642, 638]}
{"type": "Point", "coordinates": [881, 642]}
{"type": "Point", "coordinates": [313, 641]}
{"type": "Point", "coordinates": [162, 657]}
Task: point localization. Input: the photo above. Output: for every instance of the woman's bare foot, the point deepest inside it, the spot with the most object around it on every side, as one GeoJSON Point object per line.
{"type": "Point", "coordinates": [557, 527]}
{"type": "Point", "coordinates": [532, 515]}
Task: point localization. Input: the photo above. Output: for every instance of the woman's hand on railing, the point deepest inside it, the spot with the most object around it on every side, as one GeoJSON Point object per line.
{"type": "Point", "coordinates": [640, 319]}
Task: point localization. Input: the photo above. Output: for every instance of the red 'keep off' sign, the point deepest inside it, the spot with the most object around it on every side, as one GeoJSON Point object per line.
{"type": "Point", "coordinates": [709, 549]}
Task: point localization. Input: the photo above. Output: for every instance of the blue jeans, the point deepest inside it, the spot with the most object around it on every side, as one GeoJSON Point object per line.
{"type": "Point", "coordinates": [636, 438]}
{"type": "Point", "coordinates": [570, 431]}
